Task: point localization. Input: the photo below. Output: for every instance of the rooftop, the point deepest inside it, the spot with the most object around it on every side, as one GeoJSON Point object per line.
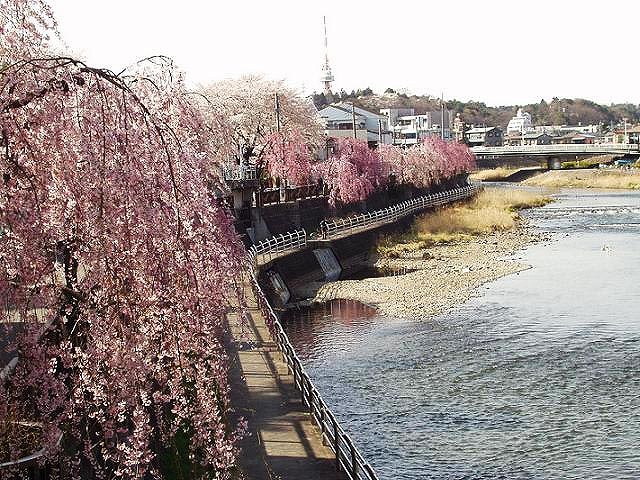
{"type": "Point", "coordinates": [481, 129]}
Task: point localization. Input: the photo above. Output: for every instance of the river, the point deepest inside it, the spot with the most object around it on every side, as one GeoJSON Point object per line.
{"type": "Point", "coordinates": [538, 377]}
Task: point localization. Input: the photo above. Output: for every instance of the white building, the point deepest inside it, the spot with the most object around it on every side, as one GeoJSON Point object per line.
{"type": "Point", "coordinates": [409, 129]}
{"type": "Point", "coordinates": [393, 114]}
{"type": "Point", "coordinates": [519, 124]}
{"type": "Point", "coordinates": [339, 119]}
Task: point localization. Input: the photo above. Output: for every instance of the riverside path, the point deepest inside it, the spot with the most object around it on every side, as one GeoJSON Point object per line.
{"type": "Point", "coordinates": [282, 442]}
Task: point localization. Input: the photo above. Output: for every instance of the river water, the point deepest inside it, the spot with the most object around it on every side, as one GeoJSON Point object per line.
{"type": "Point", "coordinates": [536, 378]}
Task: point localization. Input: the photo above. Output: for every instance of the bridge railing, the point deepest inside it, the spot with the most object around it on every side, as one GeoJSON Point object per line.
{"type": "Point", "coordinates": [391, 214]}
{"type": "Point", "coordinates": [568, 148]}
{"type": "Point", "coordinates": [348, 457]}
{"type": "Point", "coordinates": [266, 249]}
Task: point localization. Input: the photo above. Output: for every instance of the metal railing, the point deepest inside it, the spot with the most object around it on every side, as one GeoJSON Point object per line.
{"type": "Point", "coordinates": [393, 213]}
{"type": "Point", "coordinates": [290, 193]}
{"type": "Point", "coordinates": [266, 249]}
{"type": "Point", "coordinates": [239, 173]}
{"type": "Point", "coordinates": [348, 457]}
{"type": "Point", "coordinates": [559, 148]}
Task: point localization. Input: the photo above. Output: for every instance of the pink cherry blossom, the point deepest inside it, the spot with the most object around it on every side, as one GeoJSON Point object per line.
{"type": "Point", "coordinates": [119, 261]}
{"type": "Point", "coordinates": [352, 172]}
{"type": "Point", "coordinates": [249, 105]}
{"type": "Point", "coordinates": [288, 157]}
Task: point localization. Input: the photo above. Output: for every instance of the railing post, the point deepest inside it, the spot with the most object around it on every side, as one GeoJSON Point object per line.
{"type": "Point", "coordinates": [302, 387]}
{"type": "Point", "coordinates": [336, 441]}
{"type": "Point", "coordinates": [354, 460]}
{"type": "Point", "coordinates": [369, 470]}
{"type": "Point", "coordinates": [323, 426]}
{"type": "Point", "coordinates": [310, 397]}
{"type": "Point", "coordinates": [295, 372]}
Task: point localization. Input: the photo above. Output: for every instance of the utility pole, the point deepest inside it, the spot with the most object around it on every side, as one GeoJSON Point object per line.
{"type": "Point", "coordinates": [353, 120]}
{"type": "Point", "coordinates": [442, 115]}
{"type": "Point", "coordinates": [379, 132]}
{"type": "Point", "coordinates": [277, 113]}
{"type": "Point", "coordinates": [283, 182]}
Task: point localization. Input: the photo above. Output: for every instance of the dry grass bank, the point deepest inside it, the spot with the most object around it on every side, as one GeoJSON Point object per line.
{"type": "Point", "coordinates": [589, 162]}
{"type": "Point", "coordinates": [615, 179]}
{"type": "Point", "coordinates": [492, 210]}
{"type": "Point", "coordinates": [493, 174]}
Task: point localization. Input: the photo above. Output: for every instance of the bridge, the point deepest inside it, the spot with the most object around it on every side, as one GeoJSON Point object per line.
{"type": "Point", "coordinates": [557, 150]}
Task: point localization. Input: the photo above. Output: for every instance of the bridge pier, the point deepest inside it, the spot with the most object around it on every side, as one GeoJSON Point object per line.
{"type": "Point", "coordinates": [554, 163]}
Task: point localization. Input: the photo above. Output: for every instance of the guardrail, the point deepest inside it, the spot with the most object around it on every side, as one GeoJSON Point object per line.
{"type": "Point", "coordinates": [391, 214]}
{"type": "Point", "coordinates": [559, 148]}
{"type": "Point", "coordinates": [348, 457]}
{"type": "Point", "coordinates": [291, 193]}
{"type": "Point", "coordinates": [266, 249]}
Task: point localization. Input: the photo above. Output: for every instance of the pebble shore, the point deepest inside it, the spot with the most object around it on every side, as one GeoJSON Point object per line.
{"type": "Point", "coordinates": [446, 275]}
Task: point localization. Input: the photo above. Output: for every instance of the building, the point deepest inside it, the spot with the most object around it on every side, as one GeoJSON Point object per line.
{"type": "Point", "coordinates": [574, 138]}
{"type": "Point", "coordinates": [484, 137]}
{"type": "Point", "coordinates": [530, 138]}
{"type": "Point", "coordinates": [393, 114]}
{"type": "Point", "coordinates": [629, 135]}
{"type": "Point", "coordinates": [521, 123]}
{"type": "Point", "coordinates": [339, 119]}
{"type": "Point", "coordinates": [408, 129]}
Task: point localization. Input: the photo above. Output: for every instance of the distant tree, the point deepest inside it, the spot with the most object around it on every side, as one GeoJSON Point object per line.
{"type": "Point", "coordinates": [319, 100]}
{"type": "Point", "coordinates": [249, 105]}
{"type": "Point", "coordinates": [389, 90]}
{"type": "Point", "coordinates": [429, 162]}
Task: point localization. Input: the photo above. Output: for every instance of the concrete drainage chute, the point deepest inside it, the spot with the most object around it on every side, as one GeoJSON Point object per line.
{"type": "Point", "coordinates": [329, 263]}
{"type": "Point", "coordinates": [279, 287]}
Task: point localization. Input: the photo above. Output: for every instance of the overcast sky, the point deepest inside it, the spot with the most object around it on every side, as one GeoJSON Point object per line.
{"type": "Point", "coordinates": [499, 52]}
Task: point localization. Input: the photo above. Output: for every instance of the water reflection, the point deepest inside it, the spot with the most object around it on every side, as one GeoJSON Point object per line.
{"type": "Point", "coordinates": [309, 328]}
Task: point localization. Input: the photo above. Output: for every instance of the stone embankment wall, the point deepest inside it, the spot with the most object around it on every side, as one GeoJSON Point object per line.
{"type": "Point", "coordinates": [308, 213]}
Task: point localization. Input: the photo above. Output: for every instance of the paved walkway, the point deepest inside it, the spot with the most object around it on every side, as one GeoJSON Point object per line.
{"type": "Point", "coordinates": [282, 443]}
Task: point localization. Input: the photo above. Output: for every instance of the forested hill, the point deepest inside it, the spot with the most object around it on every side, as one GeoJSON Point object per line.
{"type": "Point", "coordinates": [559, 111]}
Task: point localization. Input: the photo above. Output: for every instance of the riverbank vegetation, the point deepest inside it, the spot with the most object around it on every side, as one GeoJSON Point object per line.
{"type": "Point", "coordinates": [492, 210]}
{"type": "Point", "coordinates": [609, 178]}
{"type": "Point", "coordinates": [591, 162]}
{"type": "Point", "coordinates": [493, 174]}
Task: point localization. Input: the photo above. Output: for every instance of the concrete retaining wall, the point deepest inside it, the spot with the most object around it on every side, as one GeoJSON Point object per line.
{"type": "Point", "coordinates": [301, 267]}
{"type": "Point", "coordinates": [308, 213]}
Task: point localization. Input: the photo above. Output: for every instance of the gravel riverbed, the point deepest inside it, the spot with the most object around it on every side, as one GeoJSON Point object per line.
{"type": "Point", "coordinates": [446, 275]}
